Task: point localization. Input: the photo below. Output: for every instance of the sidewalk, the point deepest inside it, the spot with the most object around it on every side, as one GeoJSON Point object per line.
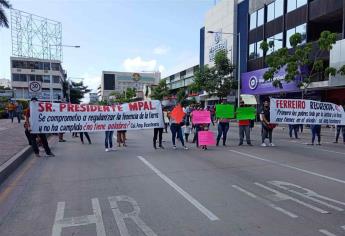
{"type": "Point", "coordinates": [12, 139]}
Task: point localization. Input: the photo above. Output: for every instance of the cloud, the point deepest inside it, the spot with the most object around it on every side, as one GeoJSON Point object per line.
{"type": "Point", "coordinates": [161, 50]}
{"type": "Point", "coordinates": [137, 65]}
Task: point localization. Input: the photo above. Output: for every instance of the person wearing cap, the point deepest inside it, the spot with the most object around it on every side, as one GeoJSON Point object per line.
{"type": "Point", "coordinates": [33, 137]}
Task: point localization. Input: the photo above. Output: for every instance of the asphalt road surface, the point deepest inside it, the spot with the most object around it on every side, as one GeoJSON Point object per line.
{"type": "Point", "coordinates": [290, 189]}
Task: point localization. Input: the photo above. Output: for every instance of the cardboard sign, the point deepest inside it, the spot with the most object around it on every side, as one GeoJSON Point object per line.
{"type": "Point", "coordinates": [246, 113]}
{"type": "Point", "coordinates": [177, 114]}
{"type": "Point", "coordinates": [201, 117]}
{"type": "Point", "coordinates": [225, 111]}
{"type": "Point", "coordinates": [206, 138]}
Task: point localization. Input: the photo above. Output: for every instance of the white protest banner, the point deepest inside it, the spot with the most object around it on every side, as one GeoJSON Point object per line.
{"type": "Point", "coordinates": [300, 111]}
{"type": "Point", "coordinates": [46, 117]}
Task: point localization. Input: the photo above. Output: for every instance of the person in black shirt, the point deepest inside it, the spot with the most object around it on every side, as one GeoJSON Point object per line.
{"type": "Point", "coordinates": [267, 128]}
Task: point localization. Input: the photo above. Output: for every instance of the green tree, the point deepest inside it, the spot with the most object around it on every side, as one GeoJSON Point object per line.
{"type": "Point", "coordinates": [78, 90]}
{"type": "Point", "coordinates": [303, 64]}
{"type": "Point", "coordinates": [217, 80]}
{"type": "Point", "coordinates": [4, 4]}
{"type": "Point", "coordinates": [160, 91]}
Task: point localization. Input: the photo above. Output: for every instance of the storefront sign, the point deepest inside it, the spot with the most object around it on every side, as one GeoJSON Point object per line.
{"type": "Point", "coordinates": [299, 111]}
{"type": "Point", "coordinates": [48, 117]}
{"type": "Point", "coordinates": [254, 83]}
{"type": "Point", "coordinates": [219, 44]}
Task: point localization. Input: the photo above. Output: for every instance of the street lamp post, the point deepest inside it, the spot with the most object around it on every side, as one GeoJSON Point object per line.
{"type": "Point", "coordinates": [238, 62]}
{"type": "Point", "coordinates": [50, 66]}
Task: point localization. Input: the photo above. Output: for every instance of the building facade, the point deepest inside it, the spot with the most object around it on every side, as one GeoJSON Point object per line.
{"type": "Point", "coordinates": [277, 20]}
{"type": "Point", "coordinates": [26, 70]}
{"type": "Point", "coordinates": [115, 81]}
{"type": "Point", "coordinates": [181, 79]}
{"type": "Point", "coordinates": [93, 98]}
{"type": "Point", "coordinates": [221, 20]}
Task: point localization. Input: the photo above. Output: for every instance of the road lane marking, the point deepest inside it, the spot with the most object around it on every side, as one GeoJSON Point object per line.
{"type": "Point", "coordinates": [284, 196]}
{"type": "Point", "coordinates": [186, 195]}
{"type": "Point", "coordinates": [309, 194]}
{"type": "Point", "coordinates": [264, 201]}
{"type": "Point", "coordinates": [327, 233]}
{"type": "Point", "coordinates": [315, 148]}
{"type": "Point", "coordinates": [61, 222]}
{"type": "Point", "coordinates": [343, 227]}
{"type": "Point", "coordinates": [290, 167]}
{"type": "Point", "coordinates": [134, 215]}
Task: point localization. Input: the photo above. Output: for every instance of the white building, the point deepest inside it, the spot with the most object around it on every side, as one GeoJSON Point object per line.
{"type": "Point", "coordinates": [181, 79]}
{"type": "Point", "coordinates": [115, 81]}
{"type": "Point", "coordinates": [5, 83]}
{"type": "Point", "coordinates": [24, 70]}
{"type": "Point", "coordinates": [221, 19]}
{"type": "Point", "coordinates": [93, 98]}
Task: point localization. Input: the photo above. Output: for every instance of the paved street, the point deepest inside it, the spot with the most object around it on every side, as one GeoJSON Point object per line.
{"type": "Point", "coordinates": [291, 189]}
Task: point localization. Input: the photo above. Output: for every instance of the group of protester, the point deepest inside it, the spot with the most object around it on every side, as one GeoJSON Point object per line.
{"type": "Point", "coordinates": [15, 109]}
{"type": "Point", "coordinates": [180, 130]}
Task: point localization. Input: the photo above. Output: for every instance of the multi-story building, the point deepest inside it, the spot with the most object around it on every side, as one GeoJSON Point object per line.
{"type": "Point", "coordinates": [114, 81]}
{"type": "Point", "coordinates": [276, 21]}
{"type": "Point", "coordinates": [6, 83]}
{"type": "Point", "coordinates": [93, 98]}
{"type": "Point", "coordinates": [24, 70]}
{"type": "Point", "coordinates": [181, 79]}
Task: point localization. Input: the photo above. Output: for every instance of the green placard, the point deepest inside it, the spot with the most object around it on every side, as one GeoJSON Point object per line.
{"type": "Point", "coordinates": [245, 113]}
{"type": "Point", "coordinates": [225, 111]}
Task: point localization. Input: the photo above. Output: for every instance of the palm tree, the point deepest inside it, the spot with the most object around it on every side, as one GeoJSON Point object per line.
{"type": "Point", "coordinates": [3, 18]}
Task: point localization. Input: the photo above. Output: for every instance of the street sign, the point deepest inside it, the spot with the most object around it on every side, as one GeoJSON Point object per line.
{"type": "Point", "coordinates": [35, 87]}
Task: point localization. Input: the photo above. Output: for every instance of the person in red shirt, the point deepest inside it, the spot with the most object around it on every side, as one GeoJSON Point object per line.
{"type": "Point", "coordinates": [33, 137]}
{"type": "Point", "coordinates": [244, 128]}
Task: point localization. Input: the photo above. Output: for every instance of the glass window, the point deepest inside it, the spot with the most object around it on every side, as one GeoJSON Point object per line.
{"type": "Point", "coordinates": [300, 3]}
{"type": "Point", "coordinates": [46, 79]}
{"type": "Point", "coordinates": [279, 8]}
{"type": "Point", "coordinates": [252, 51]}
{"type": "Point", "coordinates": [20, 77]}
{"type": "Point", "coordinates": [56, 79]}
{"type": "Point", "coordinates": [275, 9]}
{"type": "Point", "coordinates": [294, 4]}
{"type": "Point", "coordinates": [302, 29]}
{"type": "Point", "coordinates": [259, 52]}
{"type": "Point", "coordinates": [39, 78]}
{"type": "Point", "coordinates": [253, 20]}
{"type": "Point", "coordinates": [270, 12]}
{"type": "Point", "coordinates": [55, 66]}
{"type": "Point", "coordinates": [46, 66]}
{"type": "Point", "coordinates": [32, 77]}
{"type": "Point", "coordinates": [278, 42]}
{"type": "Point", "coordinates": [260, 17]}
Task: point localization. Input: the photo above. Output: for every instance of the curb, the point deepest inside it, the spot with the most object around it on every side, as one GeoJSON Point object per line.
{"type": "Point", "coordinates": [13, 163]}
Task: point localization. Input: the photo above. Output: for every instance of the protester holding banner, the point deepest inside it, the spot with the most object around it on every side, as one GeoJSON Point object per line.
{"type": "Point", "coordinates": [340, 128]}
{"type": "Point", "coordinates": [315, 131]}
{"type": "Point", "coordinates": [86, 135]}
{"type": "Point", "coordinates": [223, 128]}
{"type": "Point", "coordinates": [33, 137]}
{"type": "Point", "coordinates": [121, 138]}
{"type": "Point", "coordinates": [267, 127]}
{"type": "Point", "coordinates": [244, 129]}
{"type": "Point", "coordinates": [166, 120]}
{"type": "Point", "coordinates": [294, 128]}
{"type": "Point", "coordinates": [108, 140]}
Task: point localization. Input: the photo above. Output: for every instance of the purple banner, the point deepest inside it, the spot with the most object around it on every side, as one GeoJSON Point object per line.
{"type": "Point", "coordinates": [253, 83]}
